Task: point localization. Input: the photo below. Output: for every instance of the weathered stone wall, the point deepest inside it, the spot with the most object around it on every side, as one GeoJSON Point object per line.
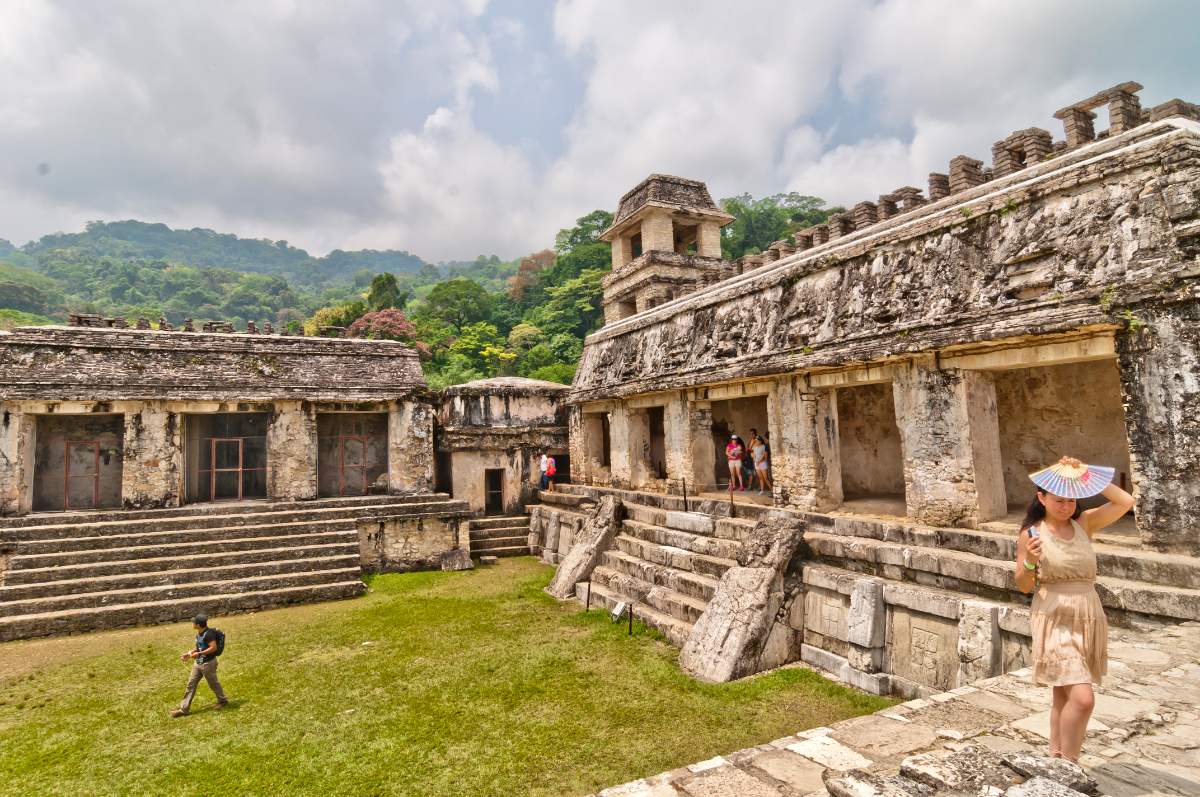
{"type": "Point", "coordinates": [1044, 413]}
{"type": "Point", "coordinates": [292, 452]}
{"type": "Point", "coordinates": [410, 447]}
{"type": "Point", "coordinates": [872, 463]}
{"type": "Point", "coordinates": [153, 472]}
{"type": "Point", "coordinates": [87, 364]}
{"type": "Point", "coordinates": [400, 541]}
{"type": "Point", "coordinates": [1033, 251]}
{"type": "Point", "coordinates": [1160, 382]}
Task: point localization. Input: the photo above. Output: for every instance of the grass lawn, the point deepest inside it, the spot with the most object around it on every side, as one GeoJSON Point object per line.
{"type": "Point", "coordinates": [472, 683]}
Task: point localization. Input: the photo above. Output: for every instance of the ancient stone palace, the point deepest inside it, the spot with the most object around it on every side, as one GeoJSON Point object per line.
{"type": "Point", "coordinates": [908, 362]}
{"type": "Point", "coordinates": [147, 474]}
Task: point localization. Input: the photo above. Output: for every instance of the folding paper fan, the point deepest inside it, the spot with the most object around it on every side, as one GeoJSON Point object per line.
{"type": "Point", "coordinates": [1067, 481]}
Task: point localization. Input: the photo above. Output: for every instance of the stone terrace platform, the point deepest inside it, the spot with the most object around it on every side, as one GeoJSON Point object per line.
{"type": "Point", "coordinates": [988, 738]}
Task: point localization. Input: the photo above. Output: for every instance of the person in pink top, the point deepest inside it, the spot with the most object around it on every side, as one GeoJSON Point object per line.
{"type": "Point", "coordinates": [733, 456]}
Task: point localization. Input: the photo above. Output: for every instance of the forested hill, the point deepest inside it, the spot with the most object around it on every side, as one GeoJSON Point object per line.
{"type": "Point", "coordinates": [209, 249]}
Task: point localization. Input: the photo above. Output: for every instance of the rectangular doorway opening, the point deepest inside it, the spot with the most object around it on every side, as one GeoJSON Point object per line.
{"type": "Point", "coordinates": [741, 417]}
{"type": "Point", "coordinates": [493, 491]}
{"type": "Point", "coordinates": [78, 462]}
{"type": "Point", "coordinates": [225, 456]}
{"type": "Point", "coordinates": [870, 450]}
{"type": "Point", "coordinates": [1052, 410]}
{"type": "Point", "coordinates": [656, 418]}
{"type": "Point", "coordinates": [351, 453]}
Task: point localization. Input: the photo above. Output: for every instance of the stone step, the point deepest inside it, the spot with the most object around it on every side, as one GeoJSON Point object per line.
{"type": "Point", "coordinates": [167, 577]}
{"type": "Point", "coordinates": [181, 536]}
{"type": "Point", "coordinates": [1117, 561]}
{"type": "Point", "coordinates": [696, 543]}
{"type": "Point", "coordinates": [693, 585]}
{"type": "Point", "coordinates": [208, 509]}
{"type": "Point", "coordinates": [676, 558]}
{"type": "Point", "coordinates": [226, 520]}
{"type": "Point", "coordinates": [91, 600]}
{"type": "Point", "coordinates": [517, 540]}
{"type": "Point", "coordinates": [959, 571]}
{"type": "Point", "coordinates": [500, 531]}
{"type": "Point", "coordinates": [557, 498]}
{"type": "Point", "coordinates": [663, 599]}
{"type": "Point", "coordinates": [23, 562]}
{"type": "Point", "coordinates": [676, 631]}
{"type": "Point", "coordinates": [513, 550]}
{"type": "Point", "coordinates": [507, 521]}
{"type": "Point", "coordinates": [166, 611]}
{"type": "Point", "coordinates": [153, 565]}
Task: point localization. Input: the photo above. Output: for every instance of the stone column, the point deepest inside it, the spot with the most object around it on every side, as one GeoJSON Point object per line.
{"type": "Point", "coordinates": [658, 235]}
{"type": "Point", "coordinates": [978, 641]}
{"type": "Point", "coordinates": [152, 471]}
{"type": "Point", "coordinates": [17, 430]}
{"type": "Point", "coordinates": [949, 433]}
{"type": "Point", "coordinates": [1160, 386]}
{"type": "Point", "coordinates": [622, 251]}
{"type": "Point", "coordinates": [638, 424]}
{"type": "Point", "coordinates": [708, 239]}
{"type": "Point", "coordinates": [677, 441]}
{"type": "Point", "coordinates": [410, 447]}
{"type": "Point", "coordinates": [292, 452]}
{"type": "Point", "coordinates": [621, 465]}
{"type": "Point", "coordinates": [583, 432]}
{"type": "Point", "coordinates": [805, 462]}
{"type": "Point", "coordinates": [702, 448]}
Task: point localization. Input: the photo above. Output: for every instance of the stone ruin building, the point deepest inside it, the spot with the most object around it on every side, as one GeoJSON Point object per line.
{"type": "Point", "coordinates": [912, 360]}
{"type": "Point", "coordinates": [146, 474]}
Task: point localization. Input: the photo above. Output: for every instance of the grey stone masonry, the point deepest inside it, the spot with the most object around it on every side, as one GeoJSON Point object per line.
{"type": "Point", "coordinates": [88, 363]}
{"type": "Point", "coordinates": [988, 738]}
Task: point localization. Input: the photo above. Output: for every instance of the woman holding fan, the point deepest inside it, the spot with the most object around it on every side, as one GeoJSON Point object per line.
{"type": "Point", "coordinates": [1055, 557]}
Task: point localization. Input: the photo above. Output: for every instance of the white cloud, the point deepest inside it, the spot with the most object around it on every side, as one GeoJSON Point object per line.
{"type": "Point", "coordinates": [356, 125]}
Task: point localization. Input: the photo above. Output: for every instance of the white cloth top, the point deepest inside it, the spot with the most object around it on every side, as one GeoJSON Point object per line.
{"type": "Point", "coordinates": [543, 463]}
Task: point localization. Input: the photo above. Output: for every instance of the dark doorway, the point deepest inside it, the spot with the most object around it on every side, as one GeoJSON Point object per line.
{"type": "Point", "coordinates": [226, 456]}
{"type": "Point", "coordinates": [493, 491]}
{"type": "Point", "coordinates": [351, 452]}
{"type": "Point", "coordinates": [606, 445]}
{"type": "Point", "coordinates": [78, 462]}
{"type": "Point", "coordinates": [658, 442]}
{"type": "Point", "coordinates": [444, 473]}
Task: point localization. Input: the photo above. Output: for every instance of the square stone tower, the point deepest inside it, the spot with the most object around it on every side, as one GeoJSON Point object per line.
{"type": "Point", "coordinates": [666, 241]}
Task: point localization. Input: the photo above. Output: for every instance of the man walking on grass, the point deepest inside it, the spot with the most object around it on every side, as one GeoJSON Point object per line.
{"type": "Point", "coordinates": [209, 644]}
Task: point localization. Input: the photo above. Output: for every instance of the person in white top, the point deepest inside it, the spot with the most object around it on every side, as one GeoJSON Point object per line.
{"type": "Point", "coordinates": [543, 464]}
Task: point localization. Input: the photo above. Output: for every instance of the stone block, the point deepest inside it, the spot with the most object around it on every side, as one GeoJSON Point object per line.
{"type": "Point", "coordinates": [1059, 770]}
{"type": "Point", "coordinates": [725, 780]}
{"type": "Point", "coordinates": [594, 539]}
{"type": "Point", "coordinates": [800, 774]}
{"type": "Point", "coordinates": [830, 753]}
{"type": "Point", "coordinates": [692, 522]}
{"type": "Point", "coordinates": [978, 641]}
{"type": "Point", "coordinates": [865, 621]}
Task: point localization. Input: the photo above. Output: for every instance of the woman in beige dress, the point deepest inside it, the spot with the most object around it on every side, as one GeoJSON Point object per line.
{"type": "Point", "coordinates": [1070, 632]}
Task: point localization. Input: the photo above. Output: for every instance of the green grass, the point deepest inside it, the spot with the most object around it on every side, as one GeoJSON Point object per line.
{"type": "Point", "coordinates": [472, 683]}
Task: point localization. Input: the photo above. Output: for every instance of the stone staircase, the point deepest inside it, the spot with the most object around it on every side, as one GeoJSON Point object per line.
{"type": "Point", "coordinates": [667, 564]}
{"type": "Point", "coordinates": [499, 536]}
{"type": "Point", "coordinates": [81, 571]}
{"type": "Point", "coordinates": [669, 561]}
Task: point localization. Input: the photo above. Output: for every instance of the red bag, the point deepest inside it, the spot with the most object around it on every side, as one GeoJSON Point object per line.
{"type": "Point", "coordinates": [550, 467]}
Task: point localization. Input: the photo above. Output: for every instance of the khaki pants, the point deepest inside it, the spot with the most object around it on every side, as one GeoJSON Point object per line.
{"type": "Point", "coordinates": [207, 671]}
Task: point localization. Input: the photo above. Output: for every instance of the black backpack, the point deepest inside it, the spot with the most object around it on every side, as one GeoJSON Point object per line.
{"type": "Point", "coordinates": [220, 641]}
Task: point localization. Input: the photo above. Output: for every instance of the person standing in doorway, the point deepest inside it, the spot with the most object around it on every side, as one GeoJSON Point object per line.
{"type": "Point", "coordinates": [1056, 561]}
{"type": "Point", "coordinates": [551, 472]}
{"type": "Point", "coordinates": [733, 455]}
{"type": "Point", "coordinates": [543, 463]}
{"type": "Point", "coordinates": [762, 464]}
{"type": "Point", "coordinates": [210, 643]}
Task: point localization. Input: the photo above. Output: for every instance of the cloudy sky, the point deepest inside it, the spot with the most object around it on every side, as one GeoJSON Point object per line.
{"type": "Point", "coordinates": [452, 129]}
